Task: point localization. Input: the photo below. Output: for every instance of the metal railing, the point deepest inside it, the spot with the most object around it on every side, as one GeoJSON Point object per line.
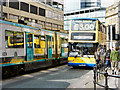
{"type": "Point", "coordinates": [101, 70]}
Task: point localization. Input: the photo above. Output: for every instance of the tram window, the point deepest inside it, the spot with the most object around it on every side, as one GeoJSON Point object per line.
{"type": "Point", "coordinates": [18, 40]}
{"type": "Point", "coordinates": [14, 39]}
{"type": "Point", "coordinates": [52, 42]}
{"type": "Point", "coordinates": [29, 38]}
{"type": "Point", "coordinates": [42, 42]}
{"type": "Point", "coordinates": [36, 41]}
{"type": "Point", "coordinates": [9, 39]}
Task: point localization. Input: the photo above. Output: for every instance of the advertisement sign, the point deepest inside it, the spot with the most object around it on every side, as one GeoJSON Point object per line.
{"type": "Point", "coordinates": [82, 26]}
{"type": "Point", "coordinates": [82, 36]}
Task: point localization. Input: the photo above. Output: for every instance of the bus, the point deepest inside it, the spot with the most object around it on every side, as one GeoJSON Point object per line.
{"type": "Point", "coordinates": [24, 48]}
{"type": "Point", "coordinates": [85, 36]}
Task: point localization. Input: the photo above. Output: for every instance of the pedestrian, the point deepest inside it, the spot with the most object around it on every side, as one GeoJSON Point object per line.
{"type": "Point", "coordinates": [119, 50]}
{"type": "Point", "coordinates": [107, 58]}
{"type": "Point", "coordinates": [119, 60]}
{"type": "Point", "coordinates": [114, 57]}
{"type": "Point", "coordinates": [97, 56]}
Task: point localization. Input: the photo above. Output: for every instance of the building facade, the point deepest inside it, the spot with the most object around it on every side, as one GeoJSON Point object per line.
{"type": "Point", "coordinates": [45, 14]}
{"type": "Point", "coordinates": [71, 5]}
{"type": "Point", "coordinates": [90, 3]}
{"type": "Point", "coordinates": [112, 25]}
{"type": "Point", "coordinates": [93, 12]}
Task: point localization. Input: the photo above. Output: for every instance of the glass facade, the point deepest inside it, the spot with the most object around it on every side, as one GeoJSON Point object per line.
{"type": "Point", "coordinates": [90, 3]}
{"type": "Point", "coordinates": [71, 5]}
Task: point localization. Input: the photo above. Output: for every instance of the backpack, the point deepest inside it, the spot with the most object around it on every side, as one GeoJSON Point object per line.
{"type": "Point", "coordinates": [108, 54]}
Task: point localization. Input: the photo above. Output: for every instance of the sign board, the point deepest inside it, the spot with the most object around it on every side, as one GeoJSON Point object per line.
{"type": "Point", "coordinates": [83, 36]}
{"type": "Point", "coordinates": [83, 26]}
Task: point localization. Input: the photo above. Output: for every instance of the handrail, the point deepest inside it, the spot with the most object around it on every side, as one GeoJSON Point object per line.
{"type": "Point", "coordinates": [105, 73]}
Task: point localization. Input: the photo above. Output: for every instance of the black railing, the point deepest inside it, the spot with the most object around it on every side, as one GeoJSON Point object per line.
{"type": "Point", "coordinates": [101, 70]}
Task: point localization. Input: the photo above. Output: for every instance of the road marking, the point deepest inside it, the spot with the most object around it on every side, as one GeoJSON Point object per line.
{"type": "Point", "coordinates": [28, 75]}
{"type": "Point", "coordinates": [54, 74]}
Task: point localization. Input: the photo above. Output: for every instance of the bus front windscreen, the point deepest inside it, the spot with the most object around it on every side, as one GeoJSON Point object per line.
{"type": "Point", "coordinates": [82, 49]}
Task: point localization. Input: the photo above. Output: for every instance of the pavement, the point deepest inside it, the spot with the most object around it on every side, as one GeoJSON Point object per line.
{"type": "Point", "coordinates": [112, 81]}
{"type": "Point", "coordinates": [86, 81]}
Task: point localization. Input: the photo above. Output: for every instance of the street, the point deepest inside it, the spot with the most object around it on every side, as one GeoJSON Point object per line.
{"type": "Point", "coordinates": [58, 77]}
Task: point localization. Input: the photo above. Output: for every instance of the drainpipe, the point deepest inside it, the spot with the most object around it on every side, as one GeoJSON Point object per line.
{"type": "Point", "coordinates": [1, 9]}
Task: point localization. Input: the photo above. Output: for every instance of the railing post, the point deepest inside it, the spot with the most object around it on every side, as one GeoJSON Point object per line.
{"type": "Point", "coordinates": [94, 77]}
{"type": "Point", "coordinates": [106, 80]}
{"type": "Point", "coordinates": [99, 69]}
{"type": "Point", "coordinates": [96, 71]}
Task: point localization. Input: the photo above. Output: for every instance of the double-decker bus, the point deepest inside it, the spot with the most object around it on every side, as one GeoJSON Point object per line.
{"type": "Point", "coordinates": [85, 36]}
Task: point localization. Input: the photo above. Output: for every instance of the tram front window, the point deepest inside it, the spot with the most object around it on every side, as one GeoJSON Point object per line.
{"type": "Point", "coordinates": [82, 49]}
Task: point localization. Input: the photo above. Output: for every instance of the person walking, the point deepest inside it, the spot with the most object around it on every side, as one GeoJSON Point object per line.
{"type": "Point", "coordinates": [97, 56]}
{"type": "Point", "coordinates": [114, 57]}
{"type": "Point", "coordinates": [119, 60]}
{"type": "Point", "coordinates": [107, 58]}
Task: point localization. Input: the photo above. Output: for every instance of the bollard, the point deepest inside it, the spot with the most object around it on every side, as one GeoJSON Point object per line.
{"type": "Point", "coordinates": [106, 80]}
{"type": "Point", "coordinates": [94, 77]}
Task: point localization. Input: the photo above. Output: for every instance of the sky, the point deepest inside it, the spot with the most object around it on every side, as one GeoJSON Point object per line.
{"type": "Point", "coordinates": [107, 3]}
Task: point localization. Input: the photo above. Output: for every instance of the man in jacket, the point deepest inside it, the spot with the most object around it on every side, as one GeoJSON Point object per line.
{"type": "Point", "coordinates": [114, 57]}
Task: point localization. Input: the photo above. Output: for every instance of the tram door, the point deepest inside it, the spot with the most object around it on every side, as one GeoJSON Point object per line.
{"type": "Point", "coordinates": [62, 47]}
{"type": "Point", "coordinates": [29, 47]}
{"type": "Point", "coordinates": [49, 46]}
